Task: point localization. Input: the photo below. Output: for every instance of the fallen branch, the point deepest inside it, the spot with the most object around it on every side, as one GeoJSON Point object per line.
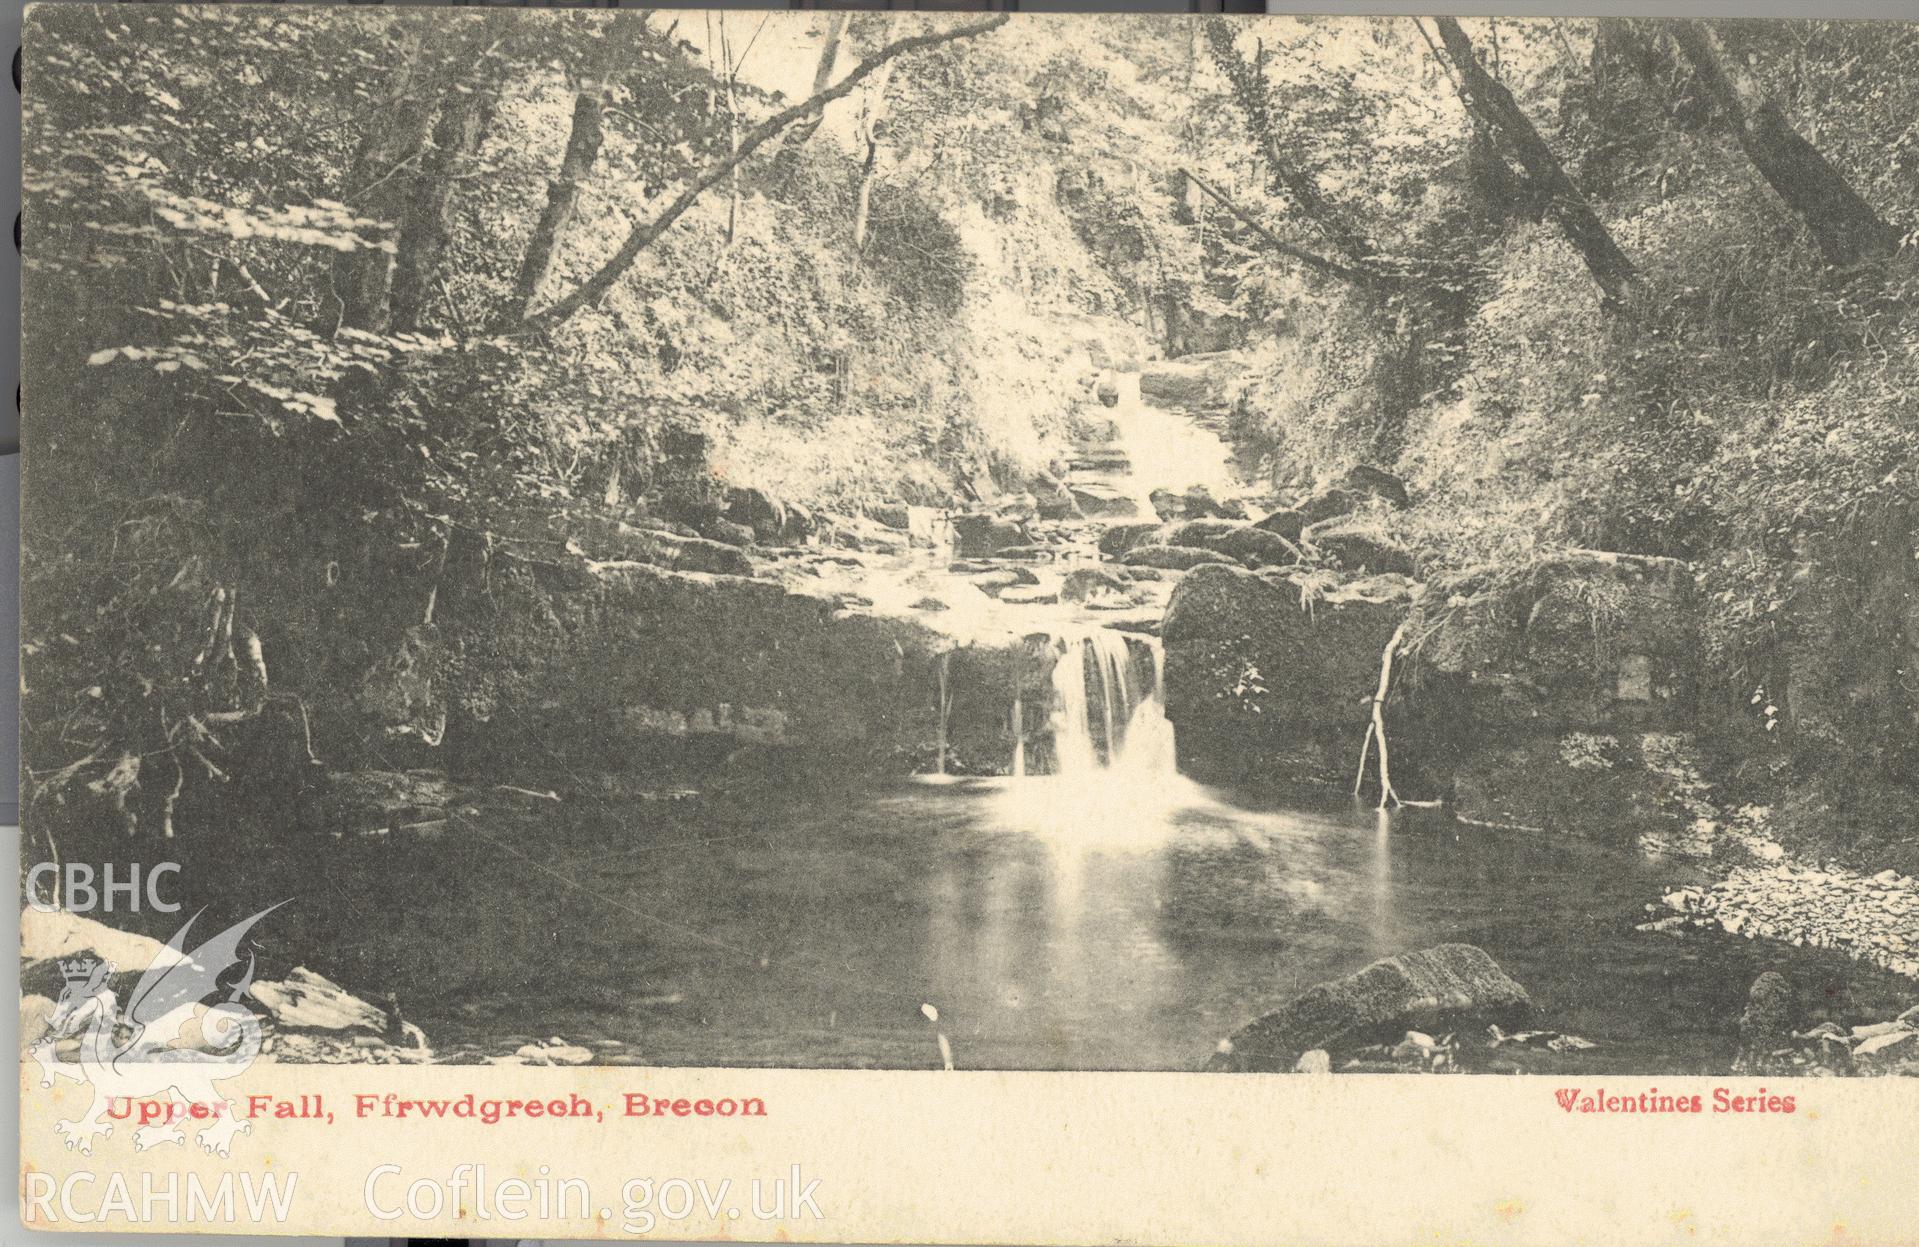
{"type": "Point", "coordinates": [643, 236]}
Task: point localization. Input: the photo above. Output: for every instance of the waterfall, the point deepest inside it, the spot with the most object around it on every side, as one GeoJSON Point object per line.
{"type": "Point", "coordinates": [946, 706]}
{"type": "Point", "coordinates": [1104, 716]}
{"type": "Point", "coordinates": [1019, 737]}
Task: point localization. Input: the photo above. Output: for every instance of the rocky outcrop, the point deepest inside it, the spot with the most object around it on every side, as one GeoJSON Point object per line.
{"type": "Point", "coordinates": [636, 667]}
{"type": "Point", "coordinates": [1267, 673]}
{"type": "Point", "coordinates": [1194, 382]}
{"type": "Point", "coordinates": [613, 540]}
{"type": "Point", "coordinates": [1447, 987]}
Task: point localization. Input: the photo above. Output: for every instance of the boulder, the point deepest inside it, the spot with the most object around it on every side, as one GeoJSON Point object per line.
{"type": "Point", "coordinates": [1196, 503]}
{"type": "Point", "coordinates": [1170, 558]}
{"type": "Point", "coordinates": [1287, 522]}
{"type": "Point", "coordinates": [992, 582]}
{"type": "Point", "coordinates": [1328, 504]}
{"type": "Point", "coordinates": [895, 515]}
{"type": "Point", "coordinates": [1108, 391]}
{"type": "Point", "coordinates": [1219, 600]}
{"type": "Point", "coordinates": [305, 1001]}
{"type": "Point", "coordinates": [1356, 546]}
{"type": "Point", "coordinates": [772, 520]}
{"type": "Point", "coordinates": [1264, 674]}
{"type": "Point", "coordinates": [976, 535]}
{"type": "Point", "coordinates": [1369, 481]}
{"type": "Point", "coordinates": [1120, 538]}
{"type": "Point", "coordinates": [1236, 539]}
{"type": "Point", "coordinates": [1447, 987]}
{"type": "Point", "coordinates": [48, 936]}
{"type": "Point", "coordinates": [1096, 500]}
{"type": "Point", "coordinates": [1052, 500]}
{"type": "Point", "coordinates": [1085, 583]}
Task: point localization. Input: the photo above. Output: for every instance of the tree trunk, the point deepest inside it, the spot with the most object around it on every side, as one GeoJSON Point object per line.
{"type": "Point", "coordinates": [562, 197]}
{"type": "Point", "coordinates": [822, 75]}
{"type": "Point", "coordinates": [1487, 97]}
{"type": "Point", "coordinates": [1844, 225]}
{"type": "Point", "coordinates": [379, 186]}
{"type": "Point", "coordinates": [465, 114]}
{"type": "Point", "coordinates": [868, 135]}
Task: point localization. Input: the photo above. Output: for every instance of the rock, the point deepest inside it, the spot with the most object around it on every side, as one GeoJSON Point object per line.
{"type": "Point", "coordinates": [305, 1001]}
{"type": "Point", "coordinates": [1192, 381]}
{"type": "Point", "coordinates": [1085, 583]}
{"type": "Point", "coordinates": [1108, 391]}
{"type": "Point", "coordinates": [1120, 538]}
{"type": "Point", "coordinates": [1196, 503]}
{"type": "Point", "coordinates": [1766, 1025]}
{"type": "Point", "coordinates": [1374, 482]}
{"type": "Point", "coordinates": [1029, 595]}
{"type": "Point", "coordinates": [1238, 540]}
{"type": "Point", "coordinates": [1052, 500]}
{"type": "Point", "coordinates": [1257, 547]}
{"type": "Point", "coordinates": [726, 532]}
{"type": "Point", "coordinates": [1171, 558]}
{"type": "Point", "coordinates": [1096, 500]}
{"type": "Point", "coordinates": [773, 520]}
{"type": "Point", "coordinates": [1317, 1061]}
{"type": "Point", "coordinates": [613, 541]}
{"type": "Point", "coordinates": [53, 935]}
{"type": "Point", "coordinates": [992, 582]}
{"type": "Point", "coordinates": [1218, 600]}
{"type": "Point", "coordinates": [1031, 553]}
{"type": "Point", "coordinates": [1355, 546]}
{"type": "Point", "coordinates": [1443, 988]}
{"type": "Point", "coordinates": [1892, 1044]}
{"type": "Point", "coordinates": [895, 515]}
{"type": "Point", "coordinates": [976, 535]}
{"type": "Point", "coordinates": [1285, 521]}
{"type": "Point", "coordinates": [1328, 504]}
{"type": "Point", "coordinates": [929, 603]}
{"type": "Point", "coordinates": [554, 1051]}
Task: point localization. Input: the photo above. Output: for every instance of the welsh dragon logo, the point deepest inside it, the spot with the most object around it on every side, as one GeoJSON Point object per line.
{"type": "Point", "coordinates": [168, 1043]}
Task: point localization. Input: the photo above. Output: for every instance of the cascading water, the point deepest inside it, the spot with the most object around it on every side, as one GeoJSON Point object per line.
{"type": "Point", "coordinates": [1105, 718]}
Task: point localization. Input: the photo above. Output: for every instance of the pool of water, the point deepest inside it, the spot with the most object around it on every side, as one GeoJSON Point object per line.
{"type": "Point", "coordinates": [1082, 926]}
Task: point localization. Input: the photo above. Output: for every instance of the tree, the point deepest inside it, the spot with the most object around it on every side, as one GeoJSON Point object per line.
{"type": "Point", "coordinates": [1493, 103]}
{"type": "Point", "coordinates": [1846, 228]}
{"type": "Point", "coordinates": [644, 235]}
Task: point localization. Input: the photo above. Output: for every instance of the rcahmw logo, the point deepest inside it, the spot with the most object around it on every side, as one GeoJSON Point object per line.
{"type": "Point", "coordinates": [176, 1045]}
{"type": "Point", "coordinates": [156, 1199]}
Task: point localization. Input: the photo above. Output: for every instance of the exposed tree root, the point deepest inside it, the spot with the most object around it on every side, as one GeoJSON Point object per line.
{"type": "Point", "coordinates": [1376, 730]}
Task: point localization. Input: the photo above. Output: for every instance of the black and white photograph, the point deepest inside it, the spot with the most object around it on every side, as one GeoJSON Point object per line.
{"type": "Point", "coordinates": [974, 541]}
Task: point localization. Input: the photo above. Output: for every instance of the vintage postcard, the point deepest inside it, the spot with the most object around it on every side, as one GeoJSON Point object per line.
{"type": "Point", "coordinates": [970, 627]}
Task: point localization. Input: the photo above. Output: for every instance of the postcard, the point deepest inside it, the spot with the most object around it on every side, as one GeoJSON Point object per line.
{"type": "Point", "coordinates": [969, 627]}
